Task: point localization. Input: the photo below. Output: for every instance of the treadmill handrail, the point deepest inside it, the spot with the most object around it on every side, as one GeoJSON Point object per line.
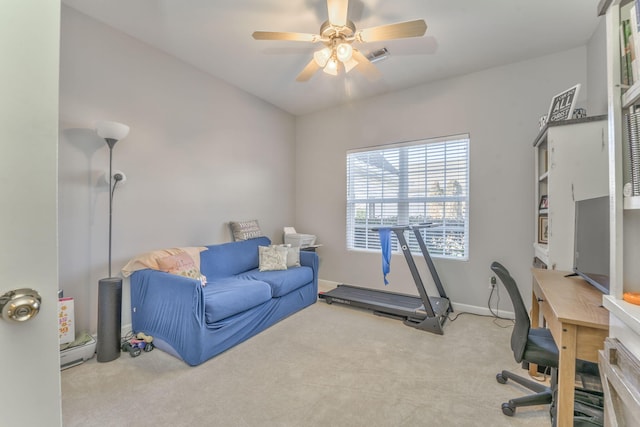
{"type": "Point", "coordinates": [424, 296]}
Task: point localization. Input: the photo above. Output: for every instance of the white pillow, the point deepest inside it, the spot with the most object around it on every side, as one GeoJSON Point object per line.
{"type": "Point", "coordinates": [272, 258]}
{"type": "Point", "coordinates": [293, 255]}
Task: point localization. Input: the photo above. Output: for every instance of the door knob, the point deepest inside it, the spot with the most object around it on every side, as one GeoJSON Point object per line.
{"type": "Point", "coordinates": [20, 305]}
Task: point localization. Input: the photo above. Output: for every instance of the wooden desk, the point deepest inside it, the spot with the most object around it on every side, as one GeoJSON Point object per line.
{"type": "Point", "coordinates": [573, 311]}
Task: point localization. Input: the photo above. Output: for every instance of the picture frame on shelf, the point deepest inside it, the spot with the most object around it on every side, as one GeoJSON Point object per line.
{"type": "Point", "coordinates": [563, 104]}
{"type": "Point", "coordinates": [544, 202]}
{"type": "Point", "coordinates": [543, 229]}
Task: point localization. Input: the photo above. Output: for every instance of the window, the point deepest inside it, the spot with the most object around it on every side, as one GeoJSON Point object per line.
{"type": "Point", "coordinates": [420, 182]}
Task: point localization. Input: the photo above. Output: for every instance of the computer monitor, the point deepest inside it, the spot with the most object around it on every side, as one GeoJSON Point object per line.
{"type": "Point", "coordinates": [591, 248]}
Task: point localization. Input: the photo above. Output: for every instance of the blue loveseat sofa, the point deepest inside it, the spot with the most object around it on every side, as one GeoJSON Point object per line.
{"type": "Point", "coordinates": [195, 322]}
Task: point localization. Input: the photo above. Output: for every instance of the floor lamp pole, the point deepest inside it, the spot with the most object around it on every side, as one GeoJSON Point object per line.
{"type": "Point", "coordinates": [109, 292]}
{"type": "Point", "coordinates": [110, 198]}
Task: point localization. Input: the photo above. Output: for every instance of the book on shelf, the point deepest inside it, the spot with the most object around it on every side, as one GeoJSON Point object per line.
{"type": "Point", "coordinates": [626, 53]}
{"type": "Point", "coordinates": [630, 43]}
{"type": "Point", "coordinates": [634, 41]}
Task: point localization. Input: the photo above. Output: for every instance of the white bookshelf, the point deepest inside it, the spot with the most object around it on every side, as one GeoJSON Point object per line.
{"type": "Point", "coordinates": [571, 164]}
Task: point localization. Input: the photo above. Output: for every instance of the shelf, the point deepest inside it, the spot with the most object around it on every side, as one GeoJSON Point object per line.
{"type": "Point", "coordinates": [628, 313]}
{"type": "Point", "coordinates": [632, 202]}
{"type": "Point", "coordinates": [542, 134]}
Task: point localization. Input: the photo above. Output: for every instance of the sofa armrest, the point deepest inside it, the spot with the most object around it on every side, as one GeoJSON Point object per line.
{"type": "Point", "coordinates": [166, 305]}
{"type": "Point", "coordinates": [310, 259]}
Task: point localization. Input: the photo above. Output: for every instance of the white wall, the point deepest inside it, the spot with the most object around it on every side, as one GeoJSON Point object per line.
{"type": "Point", "coordinates": [500, 109]}
{"type": "Point", "coordinates": [200, 153]}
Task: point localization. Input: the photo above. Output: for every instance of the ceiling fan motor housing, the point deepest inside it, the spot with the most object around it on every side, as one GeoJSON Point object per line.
{"type": "Point", "coordinates": [330, 31]}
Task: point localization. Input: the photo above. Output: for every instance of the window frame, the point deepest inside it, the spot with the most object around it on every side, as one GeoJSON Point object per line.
{"type": "Point", "coordinates": [452, 235]}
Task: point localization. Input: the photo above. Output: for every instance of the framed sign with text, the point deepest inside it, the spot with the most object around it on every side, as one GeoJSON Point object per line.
{"type": "Point", "coordinates": [562, 104]}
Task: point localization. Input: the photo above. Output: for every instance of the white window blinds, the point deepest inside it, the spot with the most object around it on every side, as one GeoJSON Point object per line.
{"type": "Point", "coordinates": [422, 182]}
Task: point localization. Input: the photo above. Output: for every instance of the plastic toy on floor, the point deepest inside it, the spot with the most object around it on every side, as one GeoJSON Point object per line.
{"type": "Point", "coordinates": [135, 345]}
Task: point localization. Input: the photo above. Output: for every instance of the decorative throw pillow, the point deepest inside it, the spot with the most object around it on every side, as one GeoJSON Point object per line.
{"type": "Point", "coordinates": [272, 258]}
{"type": "Point", "coordinates": [181, 264]}
{"type": "Point", "coordinates": [293, 255]}
{"type": "Point", "coordinates": [245, 230]}
{"type": "Point", "coordinates": [150, 259]}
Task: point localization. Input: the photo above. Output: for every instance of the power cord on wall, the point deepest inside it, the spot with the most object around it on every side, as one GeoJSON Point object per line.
{"type": "Point", "coordinates": [495, 290]}
{"type": "Point", "coordinates": [495, 314]}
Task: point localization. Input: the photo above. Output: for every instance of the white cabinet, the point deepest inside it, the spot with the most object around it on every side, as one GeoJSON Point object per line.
{"type": "Point", "coordinates": [571, 164]}
{"type": "Point", "coordinates": [624, 214]}
{"type": "Point", "coordinates": [624, 226]}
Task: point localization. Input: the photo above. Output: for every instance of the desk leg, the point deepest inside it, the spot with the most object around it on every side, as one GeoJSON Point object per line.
{"type": "Point", "coordinates": [535, 322]}
{"type": "Point", "coordinates": [566, 375]}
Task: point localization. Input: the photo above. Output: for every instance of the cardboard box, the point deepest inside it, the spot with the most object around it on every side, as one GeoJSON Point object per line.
{"type": "Point", "coordinates": [66, 321]}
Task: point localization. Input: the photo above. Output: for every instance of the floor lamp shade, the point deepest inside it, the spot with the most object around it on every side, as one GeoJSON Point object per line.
{"type": "Point", "coordinates": [112, 130]}
{"type": "Point", "coordinates": [109, 318]}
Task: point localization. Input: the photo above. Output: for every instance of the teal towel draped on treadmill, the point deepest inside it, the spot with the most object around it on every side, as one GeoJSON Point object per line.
{"type": "Point", "coordinates": [385, 243]}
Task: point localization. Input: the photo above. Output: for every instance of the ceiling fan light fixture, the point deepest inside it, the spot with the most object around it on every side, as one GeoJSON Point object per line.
{"type": "Point", "coordinates": [350, 65]}
{"type": "Point", "coordinates": [322, 56]}
{"type": "Point", "coordinates": [331, 67]}
{"type": "Point", "coordinates": [344, 51]}
{"type": "Point", "coordinates": [336, 36]}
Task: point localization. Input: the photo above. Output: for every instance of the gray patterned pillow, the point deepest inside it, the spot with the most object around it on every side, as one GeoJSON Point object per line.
{"type": "Point", "coordinates": [272, 258]}
{"type": "Point", "coordinates": [245, 230]}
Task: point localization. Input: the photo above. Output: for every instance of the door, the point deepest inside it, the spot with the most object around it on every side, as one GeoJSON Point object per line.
{"type": "Point", "coordinates": [29, 355]}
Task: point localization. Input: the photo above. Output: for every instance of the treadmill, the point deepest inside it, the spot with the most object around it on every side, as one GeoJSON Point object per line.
{"type": "Point", "coordinates": [424, 312]}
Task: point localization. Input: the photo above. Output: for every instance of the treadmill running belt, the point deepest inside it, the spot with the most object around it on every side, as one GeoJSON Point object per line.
{"type": "Point", "coordinates": [377, 298]}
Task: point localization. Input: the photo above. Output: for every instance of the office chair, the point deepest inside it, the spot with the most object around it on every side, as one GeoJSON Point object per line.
{"type": "Point", "coordinates": [533, 345]}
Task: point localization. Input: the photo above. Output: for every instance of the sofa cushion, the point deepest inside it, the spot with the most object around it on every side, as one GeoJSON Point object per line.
{"type": "Point", "coordinates": [225, 297]}
{"type": "Point", "coordinates": [281, 281]}
{"type": "Point", "coordinates": [229, 259]}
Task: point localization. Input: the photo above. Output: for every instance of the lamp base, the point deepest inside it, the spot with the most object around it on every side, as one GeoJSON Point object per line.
{"type": "Point", "coordinates": [109, 319]}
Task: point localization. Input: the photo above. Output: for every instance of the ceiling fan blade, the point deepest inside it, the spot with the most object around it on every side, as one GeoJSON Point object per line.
{"type": "Point", "coordinates": [365, 66]}
{"type": "Point", "coordinates": [400, 30]}
{"type": "Point", "coordinates": [276, 35]}
{"type": "Point", "coordinates": [308, 71]}
{"type": "Point", "coordinates": [338, 12]}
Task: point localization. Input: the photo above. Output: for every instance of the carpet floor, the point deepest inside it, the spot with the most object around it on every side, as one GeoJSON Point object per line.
{"type": "Point", "coordinates": [328, 365]}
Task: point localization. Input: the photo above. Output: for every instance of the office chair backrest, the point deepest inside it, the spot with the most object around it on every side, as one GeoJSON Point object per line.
{"type": "Point", "coordinates": [520, 332]}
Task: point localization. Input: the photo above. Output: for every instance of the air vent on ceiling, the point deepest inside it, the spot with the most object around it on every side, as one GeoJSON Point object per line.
{"type": "Point", "coordinates": [378, 55]}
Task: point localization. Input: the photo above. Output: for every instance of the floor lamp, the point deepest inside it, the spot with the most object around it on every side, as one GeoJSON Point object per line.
{"type": "Point", "coordinates": [110, 288]}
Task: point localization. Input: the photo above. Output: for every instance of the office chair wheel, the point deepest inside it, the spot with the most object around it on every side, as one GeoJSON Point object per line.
{"type": "Point", "coordinates": [508, 410]}
{"type": "Point", "coordinates": [500, 378]}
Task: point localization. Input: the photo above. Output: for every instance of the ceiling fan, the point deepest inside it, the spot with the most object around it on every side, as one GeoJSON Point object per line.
{"type": "Point", "coordinates": [338, 34]}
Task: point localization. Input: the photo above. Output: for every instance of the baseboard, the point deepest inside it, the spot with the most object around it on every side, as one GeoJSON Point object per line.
{"type": "Point", "coordinates": [327, 285]}
{"type": "Point", "coordinates": [124, 330]}
{"type": "Point", "coordinates": [482, 311]}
